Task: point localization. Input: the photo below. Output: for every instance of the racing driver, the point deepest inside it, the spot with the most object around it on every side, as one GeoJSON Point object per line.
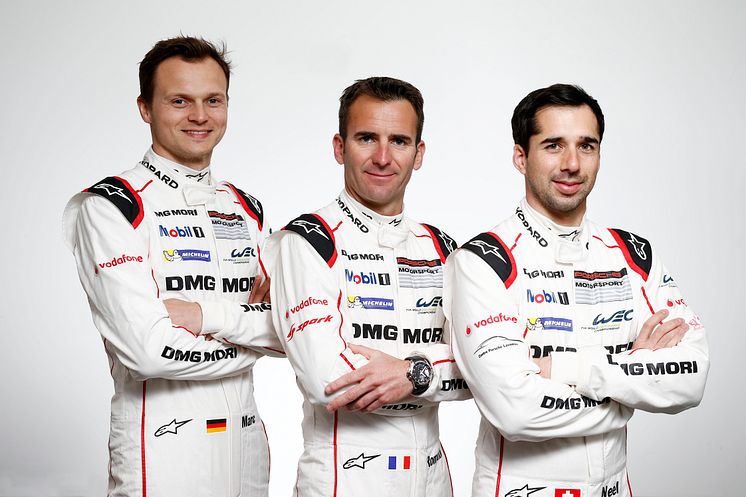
{"type": "Point", "coordinates": [183, 417]}
{"type": "Point", "coordinates": [356, 295]}
{"type": "Point", "coordinates": [596, 310]}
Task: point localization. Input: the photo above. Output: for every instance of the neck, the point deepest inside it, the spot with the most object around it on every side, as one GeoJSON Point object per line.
{"type": "Point", "coordinates": [390, 209]}
{"type": "Point", "coordinates": [196, 164]}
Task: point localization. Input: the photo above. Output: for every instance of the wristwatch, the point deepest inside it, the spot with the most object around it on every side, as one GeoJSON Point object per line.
{"type": "Point", "coordinates": [420, 373]}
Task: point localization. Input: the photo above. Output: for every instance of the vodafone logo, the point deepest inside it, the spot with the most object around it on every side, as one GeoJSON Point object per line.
{"type": "Point", "coordinates": [675, 302]}
{"type": "Point", "coordinates": [117, 261]}
{"type": "Point", "coordinates": [305, 303]}
{"type": "Point", "coordinates": [497, 318]}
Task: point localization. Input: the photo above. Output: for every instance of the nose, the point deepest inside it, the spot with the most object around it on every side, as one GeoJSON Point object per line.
{"type": "Point", "coordinates": [198, 113]}
{"type": "Point", "coordinates": [382, 155]}
{"type": "Point", "coordinates": [571, 160]}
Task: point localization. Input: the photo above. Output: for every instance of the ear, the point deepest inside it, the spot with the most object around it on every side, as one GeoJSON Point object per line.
{"type": "Point", "coordinates": [339, 148]}
{"type": "Point", "coordinates": [144, 110]}
{"type": "Point", "coordinates": [419, 155]}
{"type": "Point", "coordinates": [519, 159]}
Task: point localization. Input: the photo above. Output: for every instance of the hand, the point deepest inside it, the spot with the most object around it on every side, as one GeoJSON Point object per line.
{"type": "Point", "coordinates": [260, 290]}
{"type": "Point", "coordinates": [545, 365]}
{"type": "Point", "coordinates": [184, 313]}
{"type": "Point", "coordinates": [655, 334]}
{"type": "Point", "coordinates": [382, 381]}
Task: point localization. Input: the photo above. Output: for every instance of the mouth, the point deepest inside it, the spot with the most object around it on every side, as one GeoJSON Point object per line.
{"type": "Point", "coordinates": [567, 187]}
{"type": "Point", "coordinates": [196, 133]}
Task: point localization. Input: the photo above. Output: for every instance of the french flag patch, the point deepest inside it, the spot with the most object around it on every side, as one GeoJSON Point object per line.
{"type": "Point", "coordinates": [399, 462]}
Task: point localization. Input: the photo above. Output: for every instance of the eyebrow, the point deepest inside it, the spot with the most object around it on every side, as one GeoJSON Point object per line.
{"type": "Point", "coordinates": [558, 139]}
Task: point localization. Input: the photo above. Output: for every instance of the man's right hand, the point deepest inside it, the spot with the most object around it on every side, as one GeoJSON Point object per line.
{"type": "Point", "coordinates": [185, 313]}
{"type": "Point", "coordinates": [655, 334]}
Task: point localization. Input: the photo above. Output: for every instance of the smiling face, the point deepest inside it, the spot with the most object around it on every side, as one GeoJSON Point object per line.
{"type": "Point", "coordinates": [379, 153]}
{"type": "Point", "coordinates": [188, 112]}
{"type": "Point", "coordinates": [561, 164]}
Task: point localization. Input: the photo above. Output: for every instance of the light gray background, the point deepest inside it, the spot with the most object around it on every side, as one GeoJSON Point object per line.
{"type": "Point", "coordinates": [669, 75]}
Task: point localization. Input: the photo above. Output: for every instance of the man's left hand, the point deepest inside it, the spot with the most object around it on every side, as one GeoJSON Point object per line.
{"type": "Point", "coordinates": [382, 381]}
{"type": "Point", "coordinates": [184, 313]}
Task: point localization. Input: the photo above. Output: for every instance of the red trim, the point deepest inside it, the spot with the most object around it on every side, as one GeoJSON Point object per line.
{"type": "Point", "coordinates": [274, 350]}
{"type": "Point", "coordinates": [333, 259]}
{"type": "Point", "coordinates": [341, 319]}
{"type": "Point", "coordinates": [335, 453]}
{"type": "Point", "coordinates": [342, 355]}
{"type": "Point", "coordinates": [141, 212]}
{"type": "Point", "coordinates": [448, 467]}
{"type": "Point", "coordinates": [629, 487]}
{"type": "Point", "coordinates": [646, 300]}
{"type": "Point", "coordinates": [261, 264]}
{"type": "Point", "coordinates": [442, 361]}
{"type": "Point", "coordinates": [435, 243]}
{"type": "Point", "coordinates": [157, 289]}
{"type": "Point", "coordinates": [608, 246]}
{"type": "Point", "coordinates": [625, 251]}
{"type": "Point", "coordinates": [142, 442]}
{"type": "Point", "coordinates": [499, 467]}
{"type": "Point", "coordinates": [244, 205]}
{"type": "Point", "coordinates": [515, 242]}
{"type": "Point", "coordinates": [513, 272]}
{"type": "Point", "coordinates": [337, 226]}
{"type": "Point", "coordinates": [144, 186]}
{"type": "Point", "coordinates": [269, 454]}
{"type": "Point", "coordinates": [185, 329]}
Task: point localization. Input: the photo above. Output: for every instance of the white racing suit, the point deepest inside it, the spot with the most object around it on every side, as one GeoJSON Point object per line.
{"type": "Point", "coordinates": [183, 417]}
{"type": "Point", "coordinates": [347, 275]}
{"type": "Point", "coordinates": [521, 291]}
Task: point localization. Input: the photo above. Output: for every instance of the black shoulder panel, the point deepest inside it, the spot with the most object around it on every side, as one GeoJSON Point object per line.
{"type": "Point", "coordinates": [637, 251]}
{"type": "Point", "coordinates": [251, 205]}
{"type": "Point", "coordinates": [444, 244]}
{"type": "Point", "coordinates": [120, 193]}
{"type": "Point", "coordinates": [495, 253]}
{"type": "Point", "coordinates": [315, 230]}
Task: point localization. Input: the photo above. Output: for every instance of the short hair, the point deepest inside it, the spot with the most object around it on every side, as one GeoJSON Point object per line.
{"type": "Point", "coordinates": [185, 47]}
{"type": "Point", "coordinates": [384, 89]}
{"type": "Point", "coordinates": [561, 95]}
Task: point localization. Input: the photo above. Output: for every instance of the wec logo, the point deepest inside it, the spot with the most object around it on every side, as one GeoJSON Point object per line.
{"type": "Point", "coordinates": [617, 317]}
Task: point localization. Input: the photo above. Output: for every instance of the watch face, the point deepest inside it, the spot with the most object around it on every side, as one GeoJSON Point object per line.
{"type": "Point", "coordinates": [421, 373]}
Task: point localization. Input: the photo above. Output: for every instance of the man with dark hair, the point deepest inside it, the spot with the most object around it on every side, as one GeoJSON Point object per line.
{"type": "Point", "coordinates": [356, 291]}
{"type": "Point", "coordinates": [563, 328]}
{"type": "Point", "coordinates": [183, 417]}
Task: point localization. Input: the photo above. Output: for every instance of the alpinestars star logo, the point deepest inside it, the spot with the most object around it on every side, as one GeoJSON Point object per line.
{"type": "Point", "coordinates": [112, 190]}
{"type": "Point", "coordinates": [448, 242]}
{"type": "Point", "coordinates": [359, 461]}
{"type": "Point", "coordinates": [171, 427]}
{"type": "Point", "coordinates": [639, 246]}
{"type": "Point", "coordinates": [198, 176]}
{"type": "Point", "coordinates": [486, 248]}
{"type": "Point", "coordinates": [524, 491]}
{"type": "Point", "coordinates": [309, 227]}
{"type": "Point", "coordinates": [573, 235]}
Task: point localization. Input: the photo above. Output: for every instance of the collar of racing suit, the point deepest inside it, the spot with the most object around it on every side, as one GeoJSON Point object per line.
{"type": "Point", "coordinates": [198, 187]}
{"type": "Point", "coordinates": [570, 243]}
{"type": "Point", "coordinates": [389, 230]}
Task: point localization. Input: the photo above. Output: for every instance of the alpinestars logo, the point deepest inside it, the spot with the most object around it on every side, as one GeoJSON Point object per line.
{"type": "Point", "coordinates": [198, 176]}
{"type": "Point", "coordinates": [359, 461]}
{"type": "Point", "coordinates": [112, 190]}
{"type": "Point", "coordinates": [448, 242]}
{"type": "Point", "coordinates": [309, 227]}
{"type": "Point", "coordinates": [639, 247]}
{"type": "Point", "coordinates": [486, 248]}
{"type": "Point", "coordinates": [524, 491]}
{"type": "Point", "coordinates": [171, 427]}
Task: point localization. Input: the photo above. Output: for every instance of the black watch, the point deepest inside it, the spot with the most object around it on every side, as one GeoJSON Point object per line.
{"type": "Point", "coordinates": [420, 373]}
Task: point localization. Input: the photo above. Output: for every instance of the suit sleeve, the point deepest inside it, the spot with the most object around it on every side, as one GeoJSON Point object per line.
{"type": "Point", "coordinates": [666, 380]}
{"type": "Point", "coordinates": [489, 348]}
{"type": "Point", "coordinates": [114, 267]}
{"type": "Point", "coordinates": [306, 310]}
{"type": "Point", "coordinates": [448, 382]}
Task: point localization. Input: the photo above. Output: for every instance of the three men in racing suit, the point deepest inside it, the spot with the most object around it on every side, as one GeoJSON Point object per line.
{"type": "Point", "coordinates": [183, 417]}
{"type": "Point", "coordinates": [586, 303]}
{"type": "Point", "coordinates": [356, 291]}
